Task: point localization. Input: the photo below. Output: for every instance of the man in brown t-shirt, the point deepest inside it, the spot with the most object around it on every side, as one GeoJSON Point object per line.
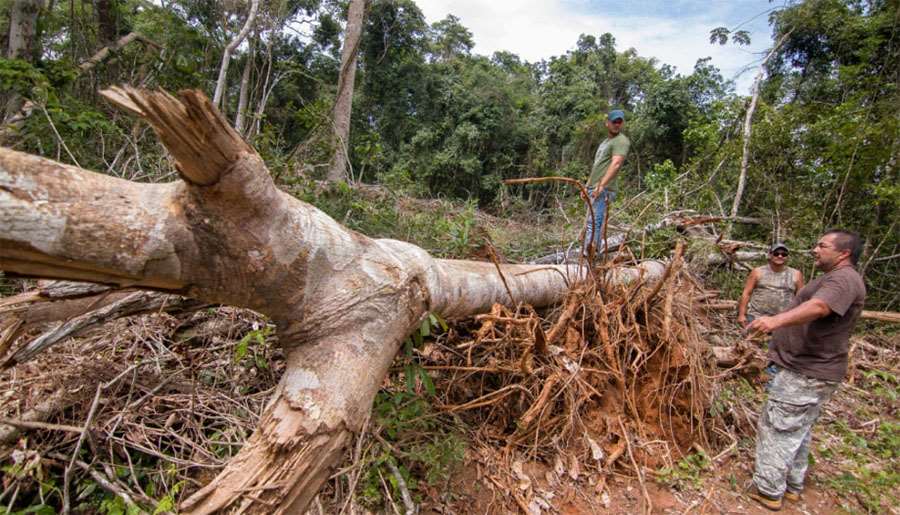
{"type": "Point", "coordinates": [809, 348]}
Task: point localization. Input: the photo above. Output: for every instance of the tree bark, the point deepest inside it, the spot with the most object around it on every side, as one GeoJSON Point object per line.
{"type": "Point", "coordinates": [231, 47]}
{"type": "Point", "coordinates": [22, 43]}
{"type": "Point", "coordinates": [343, 104]}
{"type": "Point", "coordinates": [342, 302]}
{"type": "Point", "coordinates": [748, 126]}
{"type": "Point", "coordinates": [243, 99]}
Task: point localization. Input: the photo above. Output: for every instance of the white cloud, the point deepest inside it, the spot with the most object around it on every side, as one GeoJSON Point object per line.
{"type": "Point", "coordinates": [539, 29]}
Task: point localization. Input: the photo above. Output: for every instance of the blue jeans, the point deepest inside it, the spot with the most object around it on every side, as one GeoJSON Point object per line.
{"type": "Point", "coordinates": [594, 231]}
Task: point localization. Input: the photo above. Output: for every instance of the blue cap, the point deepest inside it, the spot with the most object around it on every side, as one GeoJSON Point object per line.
{"type": "Point", "coordinates": [615, 114]}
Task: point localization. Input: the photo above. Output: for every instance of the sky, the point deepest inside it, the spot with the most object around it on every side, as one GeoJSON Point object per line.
{"type": "Point", "coordinates": [675, 32]}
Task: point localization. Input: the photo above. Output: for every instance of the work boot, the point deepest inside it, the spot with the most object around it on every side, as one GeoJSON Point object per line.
{"type": "Point", "coordinates": [768, 502]}
{"type": "Point", "coordinates": [793, 495]}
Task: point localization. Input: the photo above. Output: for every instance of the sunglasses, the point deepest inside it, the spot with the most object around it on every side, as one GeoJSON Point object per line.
{"type": "Point", "coordinates": [780, 254]}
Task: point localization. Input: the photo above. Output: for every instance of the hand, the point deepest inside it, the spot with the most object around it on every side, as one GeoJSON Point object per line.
{"type": "Point", "coordinates": [742, 320]}
{"type": "Point", "coordinates": [761, 325]}
{"type": "Point", "coordinates": [596, 193]}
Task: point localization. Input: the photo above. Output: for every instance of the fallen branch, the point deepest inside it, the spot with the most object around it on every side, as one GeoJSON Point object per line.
{"type": "Point", "coordinates": [67, 475]}
{"type": "Point", "coordinates": [25, 424]}
{"type": "Point", "coordinates": [404, 491]}
{"type": "Point", "coordinates": [104, 53]}
{"type": "Point", "coordinates": [132, 303]}
{"type": "Point", "coordinates": [44, 410]}
{"type": "Point", "coordinates": [882, 316]}
{"type": "Point", "coordinates": [682, 220]}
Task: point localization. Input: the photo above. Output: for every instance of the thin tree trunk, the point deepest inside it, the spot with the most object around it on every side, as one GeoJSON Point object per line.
{"type": "Point", "coordinates": [240, 118]}
{"type": "Point", "coordinates": [21, 44]}
{"type": "Point", "coordinates": [748, 118]}
{"type": "Point", "coordinates": [263, 93]}
{"type": "Point", "coordinates": [23, 17]}
{"type": "Point", "coordinates": [343, 104]}
{"type": "Point", "coordinates": [342, 302]}
{"type": "Point", "coordinates": [231, 47]}
{"type": "Point", "coordinates": [106, 20]}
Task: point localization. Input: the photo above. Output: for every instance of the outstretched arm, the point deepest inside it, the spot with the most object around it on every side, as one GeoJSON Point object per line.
{"type": "Point", "coordinates": [745, 297]}
{"type": "Point", "coordinates": [813, 309]}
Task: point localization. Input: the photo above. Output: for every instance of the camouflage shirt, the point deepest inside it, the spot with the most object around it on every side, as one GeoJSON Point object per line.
{"type": "Point", "coordinates": [773, 291]}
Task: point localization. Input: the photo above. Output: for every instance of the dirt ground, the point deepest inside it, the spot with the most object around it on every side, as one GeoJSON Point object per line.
{"type": "Point", "coordinates": [721, 492]}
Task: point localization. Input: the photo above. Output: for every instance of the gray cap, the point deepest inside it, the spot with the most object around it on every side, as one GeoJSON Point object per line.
{"type": "Point", "coordinates": [777, 246]}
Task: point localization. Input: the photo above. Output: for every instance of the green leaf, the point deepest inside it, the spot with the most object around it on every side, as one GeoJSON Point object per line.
{"type": "Point", "coordinates": [240, 350]}
{"type": "Point", "coordinates": [166, 504]}
{"type": "Point", "coordinates": [426, 381]}
{"type": "Point", "coordinates": [409, 375]}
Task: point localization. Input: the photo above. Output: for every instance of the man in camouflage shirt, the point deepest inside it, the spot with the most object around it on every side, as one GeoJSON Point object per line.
{"type": "Point", "coordinates": [809, 349]}
{"type": "Point", "coordinates": [769, 288]}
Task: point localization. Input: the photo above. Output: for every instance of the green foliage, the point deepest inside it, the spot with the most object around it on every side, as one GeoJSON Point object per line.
{"type": "Point", "coordinates": [883, 384]}
{"type": "Point", "coordinates": [658, 244]}
{"type": "Point", "coordinates": [868, 456]}
{"type": "Point", "coordinates": [20, 77]}
{"type": "Point", "coordinates": [661, 175]}
{"type": "Point", "coordinates": [415, 440]}
{"type": "Point", "coordinates": [259, 336]}
{"type": "Point", "coordinates": [169, 502]}
{"type": "Point", "coordinates": [737, 390]}
{"type": "Point", "coordinates": [719, 35]}
{"type": "Point", "coordinates": [687, 473]}
{"type": "Point", "coordinates": [413, 373]}
{"type": "Point", "coordinates": [114, 505]}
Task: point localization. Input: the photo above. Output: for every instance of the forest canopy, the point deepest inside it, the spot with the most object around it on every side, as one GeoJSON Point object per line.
{"type": "Point", "coordinates": [432, 118]}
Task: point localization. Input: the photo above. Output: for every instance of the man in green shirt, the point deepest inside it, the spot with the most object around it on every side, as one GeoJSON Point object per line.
{"type": "Point", "coordinates": [601, 183]}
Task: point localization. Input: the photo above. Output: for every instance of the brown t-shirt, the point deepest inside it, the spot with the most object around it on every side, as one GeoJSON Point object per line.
{"type": "Point", "coordinates": [819, 348]}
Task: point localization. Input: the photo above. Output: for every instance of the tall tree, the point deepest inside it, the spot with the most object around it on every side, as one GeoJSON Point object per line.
{"type": "Point", "coordinates": [21, 44]}
{"type": "Point", "coordinates": [748, 126]}
{"type": "Point", "coordinates": [343, 104]}
{"type": "Point", "coordinates": [222, 81]}
{"type": "Point", "coordinates": [22, 41]}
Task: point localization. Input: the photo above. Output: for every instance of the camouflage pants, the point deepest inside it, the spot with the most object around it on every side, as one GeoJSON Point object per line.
{"type": "Point", "coordinates": [785, 429]}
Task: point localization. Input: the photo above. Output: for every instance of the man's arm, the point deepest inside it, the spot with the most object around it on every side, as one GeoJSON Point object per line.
{"type": "Point", "coordinates": [745, 297]}
{"type": "Point", "coordinates": [813, 309]}
{"type": "Point", "coordinates": [611, 171]}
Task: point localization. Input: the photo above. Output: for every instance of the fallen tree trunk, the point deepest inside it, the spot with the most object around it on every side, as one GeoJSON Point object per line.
{"type": "Point", "coordinates": [687, 221]}
{"type": "Point", "coordinates": [342, 302]}
{"type": "Point", "coordinates": [881, 316]}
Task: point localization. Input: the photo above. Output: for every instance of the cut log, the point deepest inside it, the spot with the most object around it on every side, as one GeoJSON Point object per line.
{"type": "Point", "coordinates": [342, 302]}
{"type": "Point", "coordinates": [882, 316]}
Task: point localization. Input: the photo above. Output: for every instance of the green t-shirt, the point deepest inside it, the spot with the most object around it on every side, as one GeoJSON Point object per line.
{"type": "Point", "coordinates": [617, 146]}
